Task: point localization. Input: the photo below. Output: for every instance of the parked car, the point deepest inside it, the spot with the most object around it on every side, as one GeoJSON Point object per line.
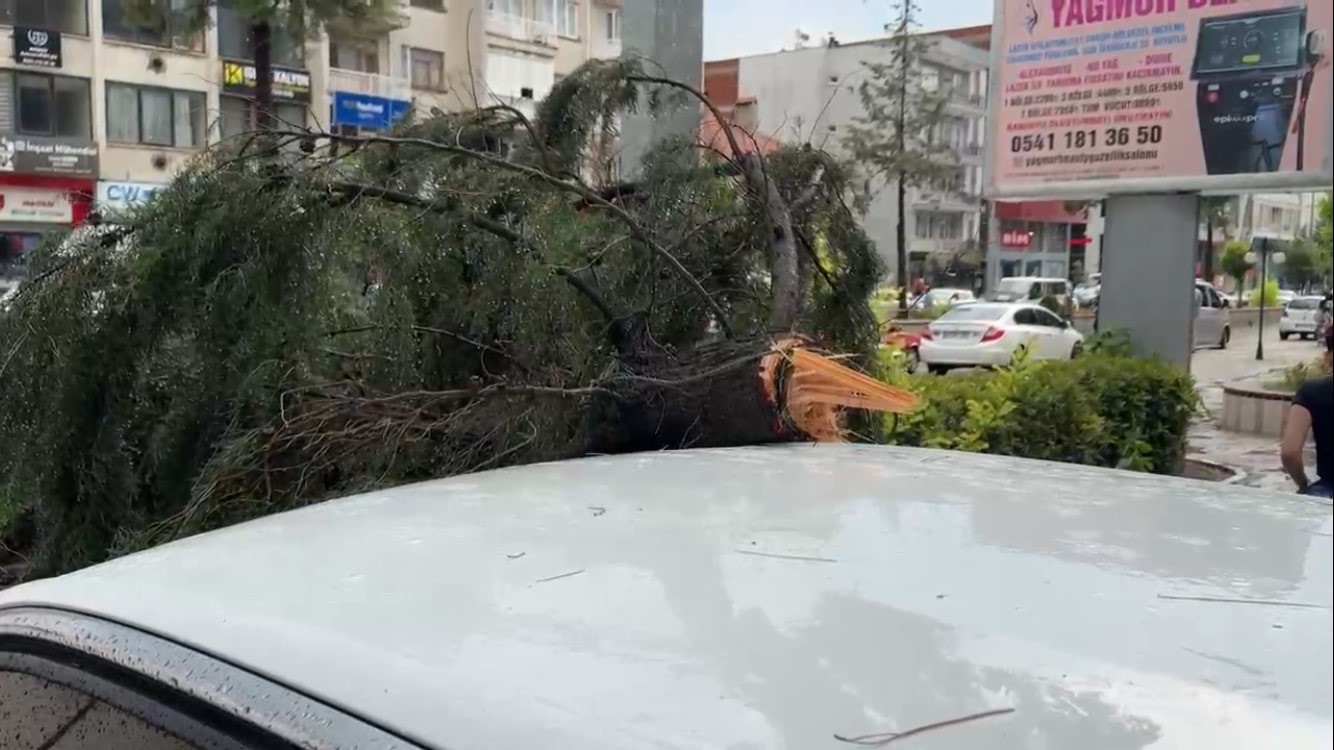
{"type": "Point", "coordinates": [1030, 289]}
{"type": "Point", "coordinates": [1302, 317]}
{"type": "Point", "coordinates": [936, 298]}
{"type": "Point", "coordinates": [1213, 322]}
{"type": "Point", "coordinates": [989, 334]}
{"type": "Point", "coordinates": [1086, 294]}
{"type": "Point", "coordinates": [770, 597]}
{"type": "Point", "coordinates": [907, 343]}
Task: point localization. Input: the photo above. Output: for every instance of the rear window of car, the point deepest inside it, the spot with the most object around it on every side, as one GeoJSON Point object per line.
{"type": "Point", "coordinates": [969, 313]}
{"type": "Point", "coordinates": [1308, 303]}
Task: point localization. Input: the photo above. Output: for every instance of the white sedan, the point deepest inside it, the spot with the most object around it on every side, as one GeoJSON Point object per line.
{"type": "Point", "coordinates": [989, 334]}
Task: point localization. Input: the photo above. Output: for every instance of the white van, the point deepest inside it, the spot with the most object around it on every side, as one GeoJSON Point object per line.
{"type": "Point", "coordinates": [1030, 289]}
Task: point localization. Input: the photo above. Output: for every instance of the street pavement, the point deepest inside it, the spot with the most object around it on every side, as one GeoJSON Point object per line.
{"type": "Point", "coordinates": [1256, 457]}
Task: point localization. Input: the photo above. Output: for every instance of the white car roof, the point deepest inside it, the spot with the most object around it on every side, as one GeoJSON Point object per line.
{"type": "Point", "coordinates": [770, 598]}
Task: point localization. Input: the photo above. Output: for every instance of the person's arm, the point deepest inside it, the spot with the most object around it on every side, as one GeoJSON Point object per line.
{"type": "Point", "coordinates": [1296, 425]}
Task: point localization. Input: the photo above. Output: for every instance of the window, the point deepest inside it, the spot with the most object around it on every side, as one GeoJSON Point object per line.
{"type": "Point", "coordinates": [358, 55]}
{"type": "Point", "coordinates": [427, 68]}
{"type": "Point", "coordinates": [1044, 317]}
{"type": "Point", "coordinates": [237, 116]}
{"type": "Point", "coordinates": [430, 4]}
{"type": "Point", "coordinates": [567, 18]}
{"type": "Point", "coordinates": [505, 7]}
{"type": "Point", "coordinates": [38, 713]}
{"type": "Point", "coordinates": [53, 106]}
{"type": "Point", "coordinates": [611, 25]}
{"type": "Point", "coordinates": [155, 116]}
{"type": "Point", "coordinates": [68, 16]}
{"type": "Point", "coordinates": [159, 31]}
{"type": "Point", "coordinates": [234, 41]}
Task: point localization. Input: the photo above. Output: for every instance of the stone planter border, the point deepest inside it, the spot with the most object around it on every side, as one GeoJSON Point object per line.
{"type": "Point", "coordinates": [1252, 409]}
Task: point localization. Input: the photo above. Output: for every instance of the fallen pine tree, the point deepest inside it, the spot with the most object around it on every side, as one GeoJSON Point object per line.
{"type": "Point", "coordinates": [302, 315]}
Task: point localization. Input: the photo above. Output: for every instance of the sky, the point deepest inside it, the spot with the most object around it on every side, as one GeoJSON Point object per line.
{"type": "Point", "coordinates": [735, 28]}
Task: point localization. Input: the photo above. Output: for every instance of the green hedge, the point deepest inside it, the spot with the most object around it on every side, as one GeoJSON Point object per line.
{"type": "Point", "coordinates": [1103, 409]}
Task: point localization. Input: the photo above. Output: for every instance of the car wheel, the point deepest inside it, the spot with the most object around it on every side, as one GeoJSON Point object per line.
{"type": "Point", "coordinates": [1283, 335]}
{"type": "Point", "coordinates": [914, 361]}
{"type": "Point", "coordinates": [937, 369]}
{"type": "Point", "coordinates": [1077, 349]}
{"type": "Point", "coordinates": [1225, 338]}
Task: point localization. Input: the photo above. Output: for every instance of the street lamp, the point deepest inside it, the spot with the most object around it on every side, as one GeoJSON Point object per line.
{"type": "Point", "coordinates": [1263, 254]}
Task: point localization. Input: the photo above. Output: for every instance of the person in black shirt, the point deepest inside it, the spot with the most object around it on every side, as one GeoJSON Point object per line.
{"type": "Point", "coordinates": [1312, 411]}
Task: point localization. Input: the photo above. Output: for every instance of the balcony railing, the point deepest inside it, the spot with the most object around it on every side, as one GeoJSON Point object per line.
{"type": "Point", "coordinates": [606, 49]}
{"type": "Point", "coordinates": [371, 84]}
{"type": "Point", "coordinates": [521, 28]}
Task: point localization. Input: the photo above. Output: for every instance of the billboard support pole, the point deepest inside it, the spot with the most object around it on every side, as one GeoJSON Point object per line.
{"type": "Point", "coordinates": [1148, 273]}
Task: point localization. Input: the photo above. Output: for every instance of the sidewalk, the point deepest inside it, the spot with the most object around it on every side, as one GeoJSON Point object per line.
{"type": "Point", "coordinates": [1255, 456]}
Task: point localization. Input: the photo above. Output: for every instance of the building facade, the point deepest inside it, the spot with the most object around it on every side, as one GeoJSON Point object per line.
{"type": "Point", "coordinates": [808, 95]}
{"type": "Point", "coordinates": [97, 113]}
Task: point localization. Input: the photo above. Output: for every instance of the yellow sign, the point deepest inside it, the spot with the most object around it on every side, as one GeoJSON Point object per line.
{"type": "Point", "coordinates": [233, 74]}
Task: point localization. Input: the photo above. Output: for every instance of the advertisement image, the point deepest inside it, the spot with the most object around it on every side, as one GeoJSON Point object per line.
{"type": "Point", "coordinates": [1140, 96]}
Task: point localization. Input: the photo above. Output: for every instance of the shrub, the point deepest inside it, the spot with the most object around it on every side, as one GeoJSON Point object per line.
{"type": "Point", "coordinates": [1101, 409]}
{"type": "Point", "coordinates": [1270, 295]}
{"type": "Point", "coordinates": [1295, 377]}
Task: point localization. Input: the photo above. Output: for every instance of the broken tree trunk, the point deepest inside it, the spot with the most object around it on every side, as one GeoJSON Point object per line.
{"type": "Point", "coordinates": [733, 393]}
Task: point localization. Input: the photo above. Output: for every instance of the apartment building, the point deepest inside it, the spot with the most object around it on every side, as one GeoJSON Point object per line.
{"type": "Point", "coordinates": [97, 113]}
{"type": "Point", "coordinates": [807, 95]}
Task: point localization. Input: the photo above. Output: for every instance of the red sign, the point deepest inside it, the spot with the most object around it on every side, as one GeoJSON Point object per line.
{"type": "Point", "coordinates": [1016, 238]}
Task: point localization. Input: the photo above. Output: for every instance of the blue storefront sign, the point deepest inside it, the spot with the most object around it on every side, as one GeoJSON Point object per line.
{"type": "Point", "coordinates": [366, 111]}
{"type": "Point", "coordinates": [114, 197]}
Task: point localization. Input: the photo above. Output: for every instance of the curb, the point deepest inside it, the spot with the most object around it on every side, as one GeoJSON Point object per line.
{"type": "Point", "coordinates": [1238, 474]}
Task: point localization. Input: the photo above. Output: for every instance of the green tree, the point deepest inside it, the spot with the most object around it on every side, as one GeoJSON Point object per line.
{"type": "Point", "coordinates": [264, 18]}
{"type": "Point", "coordinates": [1324, 238]}
{"type": "Point", "coordinates": [1300, 264]}
{"type": "Point", "coordinates": [255, 339]}
{"type": "Point", "coordinates": [898, 134]}
{"type": "Point", "coordinates": [1234, 263]}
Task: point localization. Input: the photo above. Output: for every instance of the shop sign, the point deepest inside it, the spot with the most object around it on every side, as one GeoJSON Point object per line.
{"type": "Point", "coordinates": [30, 205]}
{"type": "Point", "coordinates": [25, 154]}
{"type": "Point", "coordinates": [118, 196]}
{"type": "Point", "coordinates": [1094, 98]}
{"type": "Point", "coordinates": [36, 47]}
{"type": "Point", "coordinates": [1016, 238]}
{"type": "Point", "coordinates": [289, 84]}
{"type": "Point", "coordinates": [366, 111]}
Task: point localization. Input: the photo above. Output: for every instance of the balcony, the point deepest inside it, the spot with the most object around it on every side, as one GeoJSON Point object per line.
{"type": "Point", "coordinates": [606, 49]}
{"type": "Point", "coordinates": [521, 29]}
{"type": "Point", "coordinates": [938, 247]}
{"type": "Point", "coordinates": [946, 200]}
{"type": "Point", "coordinates": [370, 84]}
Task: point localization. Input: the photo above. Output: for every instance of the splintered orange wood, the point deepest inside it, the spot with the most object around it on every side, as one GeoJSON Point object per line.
{"type": "Point", "coordinates": [819, 389]}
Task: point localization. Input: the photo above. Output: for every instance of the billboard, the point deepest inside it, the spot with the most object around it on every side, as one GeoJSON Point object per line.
{"type": "Point", "coordinates": [1090, 98]}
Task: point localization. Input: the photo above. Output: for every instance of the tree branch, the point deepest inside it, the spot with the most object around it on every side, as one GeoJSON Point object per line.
{"type": "Point", "coordinates": [785, 307]}
{"type": "Point", "coordinates": [582, 286]}
{"type": "Point", "coordinates": [354, 190]}
{"type": "Point", "coordinates": [588, 194]}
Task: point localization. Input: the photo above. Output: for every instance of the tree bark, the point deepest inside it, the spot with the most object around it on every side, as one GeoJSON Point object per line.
{"type": "Point", "coordinates": [900, 126]}
{"type": "Point", "coordinates": [261, 40]}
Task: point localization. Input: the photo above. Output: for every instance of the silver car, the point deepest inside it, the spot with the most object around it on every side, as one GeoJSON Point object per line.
{"type": "Point", "coordinates": [1303, 317]}
{"type": "Point", "coordinates": [1213, 321]}
{"type": "Point", "coordinates": [804, 597]}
